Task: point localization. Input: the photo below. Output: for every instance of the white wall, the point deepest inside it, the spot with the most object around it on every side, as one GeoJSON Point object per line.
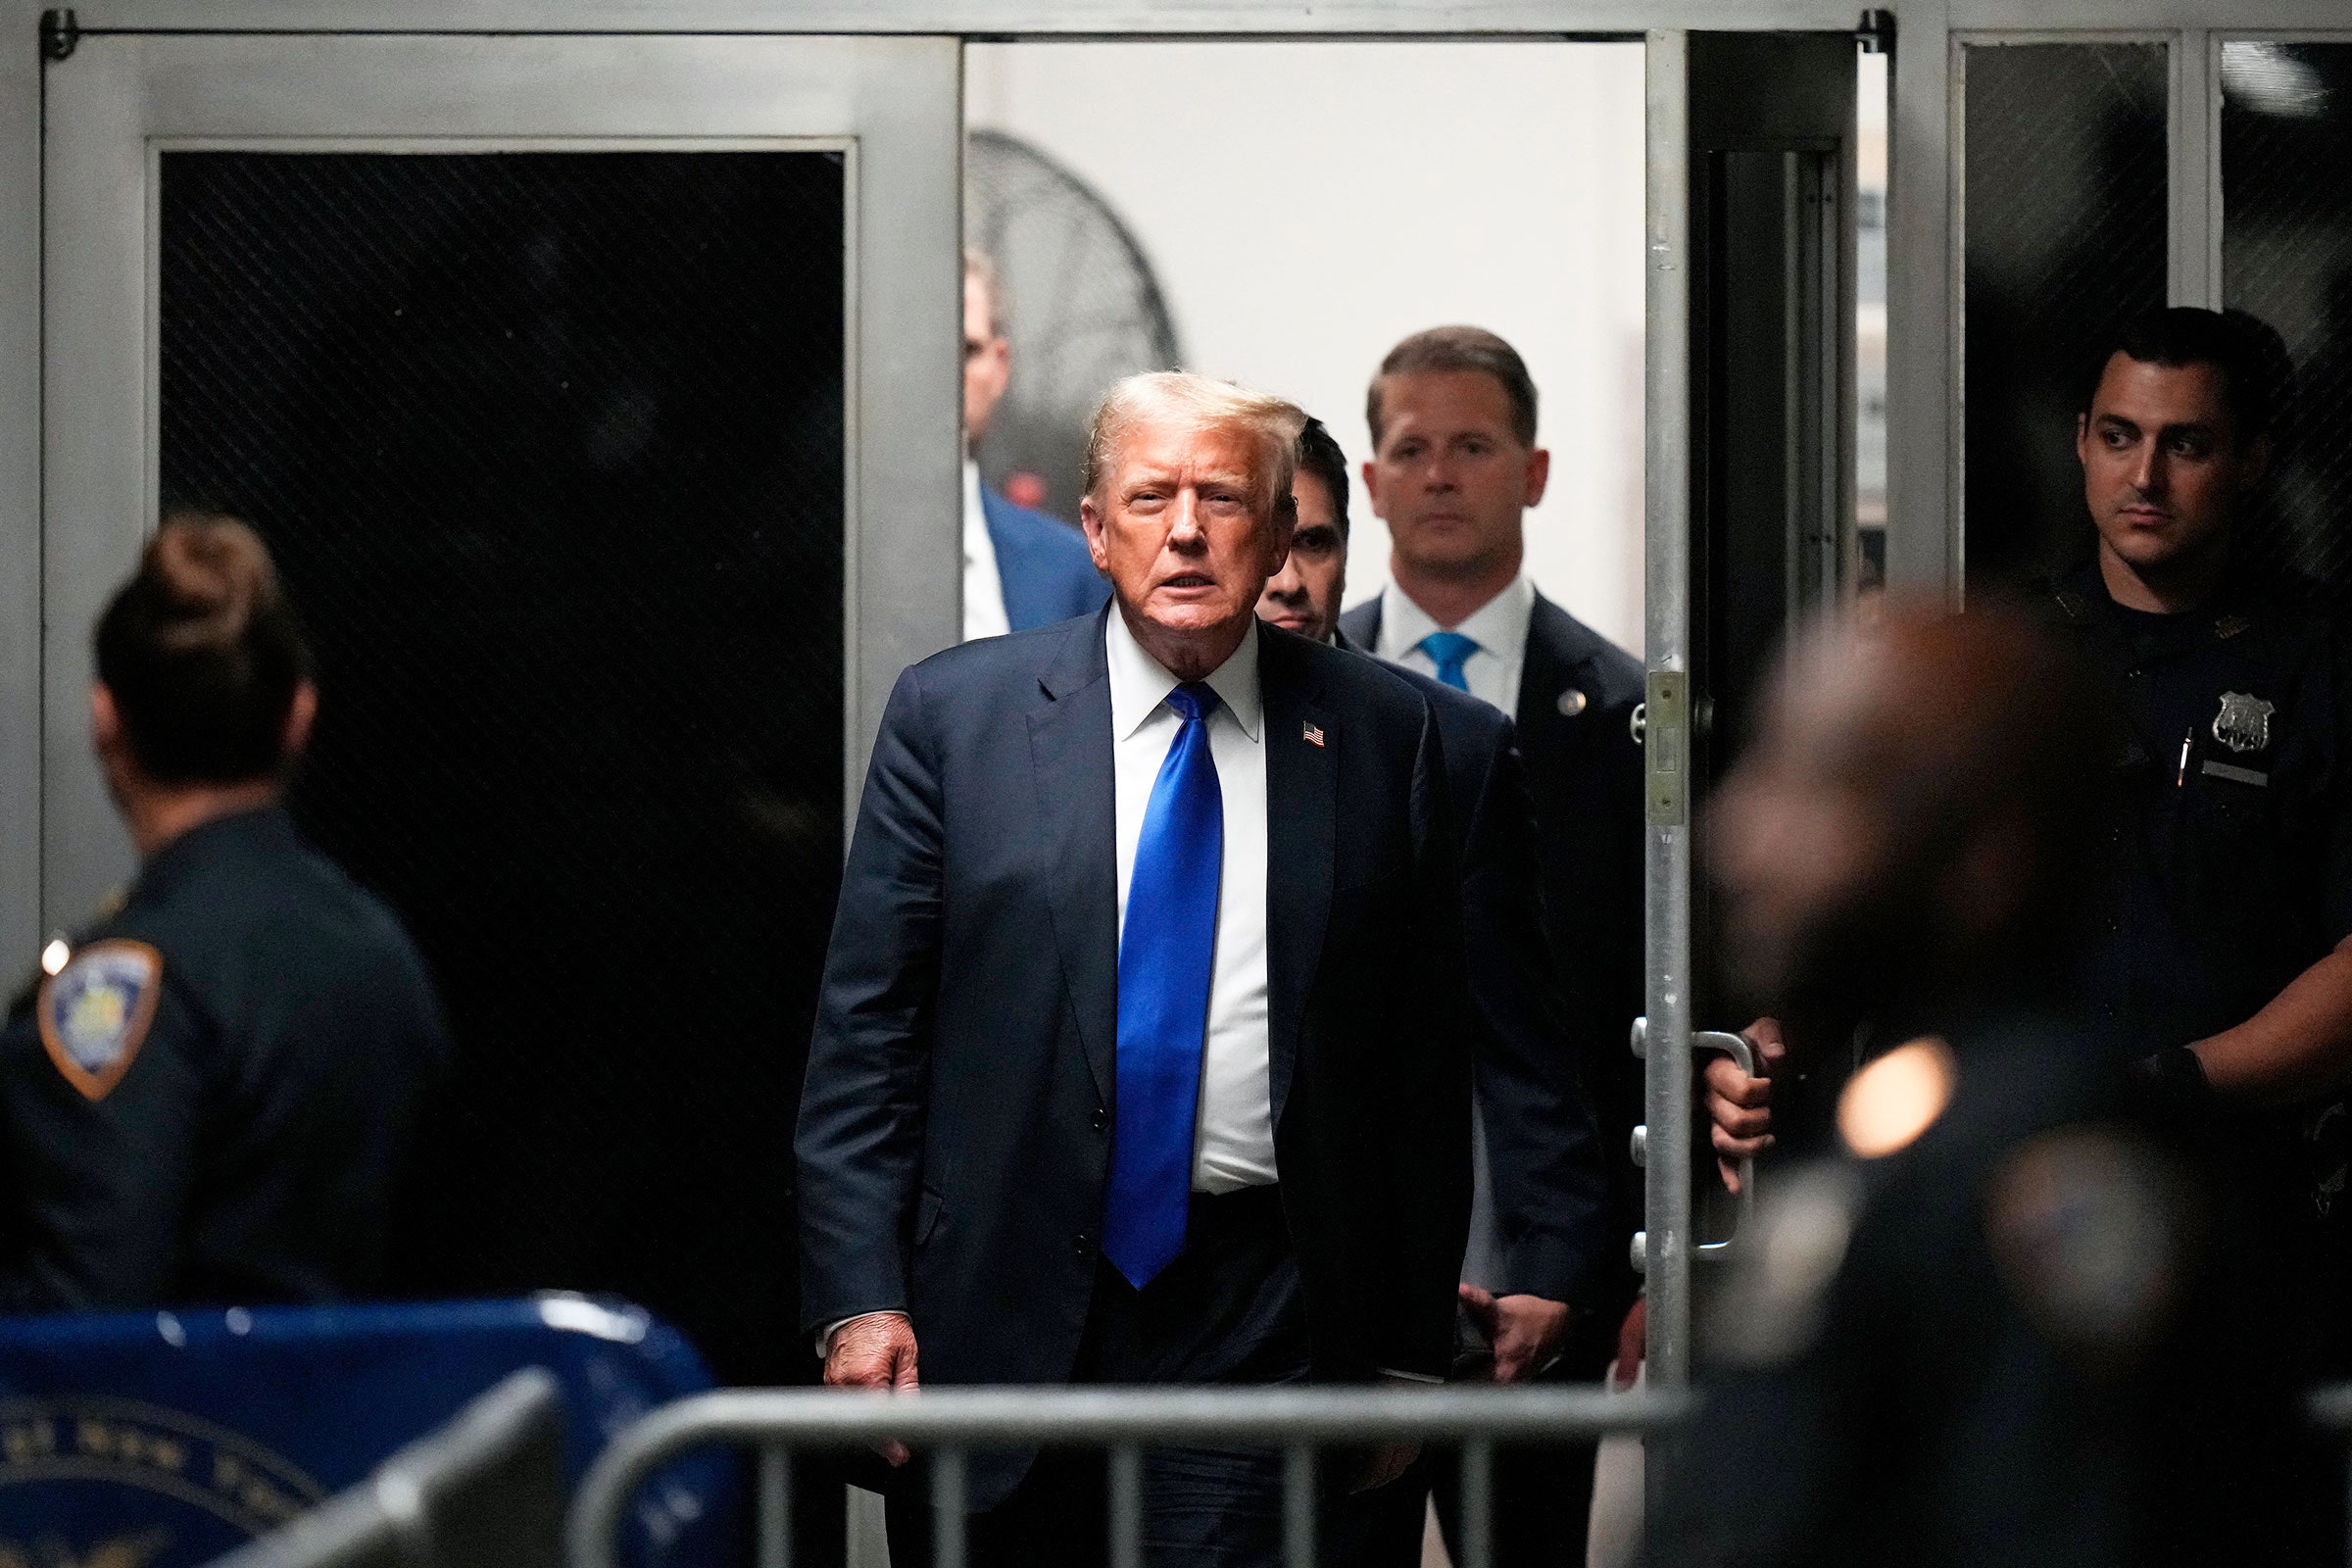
{"type": "Point", "coordinates": [1307, 203]}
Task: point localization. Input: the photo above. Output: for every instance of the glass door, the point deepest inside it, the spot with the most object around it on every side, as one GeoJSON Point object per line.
{"type": "Point", "coordinates": [1750, 510]}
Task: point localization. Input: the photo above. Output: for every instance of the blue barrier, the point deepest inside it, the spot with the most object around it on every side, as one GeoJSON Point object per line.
{"type": "Point", "coordinates": [161, 1440]}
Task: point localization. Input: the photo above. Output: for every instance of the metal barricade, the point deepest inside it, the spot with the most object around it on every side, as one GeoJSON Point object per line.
{"type": "Point", "coordinates": [951, 1422]}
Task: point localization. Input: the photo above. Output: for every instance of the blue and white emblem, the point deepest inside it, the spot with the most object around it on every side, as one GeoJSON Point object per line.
{"type": "Point", "coordinates": [95, 1013]}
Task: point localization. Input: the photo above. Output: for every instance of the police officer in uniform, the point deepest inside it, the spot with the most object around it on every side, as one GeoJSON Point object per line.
{"type": "Point", "coordinates": [2010, 1314]}
{"type": "Point", "coordinates": [207, 1095]}
{"type": "Point", "coordinates": [2221, 961]}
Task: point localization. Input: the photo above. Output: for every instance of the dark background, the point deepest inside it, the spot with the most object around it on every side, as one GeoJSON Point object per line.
{"type": "Point", "coordinates": [2286, 257]}
{"type": "Point", "coordinates": [548, 448]}
{"type": "Point", "coordinates": [2065, 166]}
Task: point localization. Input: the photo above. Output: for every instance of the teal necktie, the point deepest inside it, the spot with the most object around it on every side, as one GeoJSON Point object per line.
{"type": "Point", "coordinates": [1449, 650]}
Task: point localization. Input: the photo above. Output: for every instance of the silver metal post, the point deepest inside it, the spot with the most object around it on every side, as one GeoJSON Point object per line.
{"type": "Point", "coordinates": [1478, 1504]}
{"type": "Point", "coordinates": [1299, 1505]}
{"type": "Point", "coordinates": [775, 1505]}
{"type": "Point", "coordinates": [1667, 752]}
{"type": "Point", "coordinates": [947, 1509]}
{"type": "Point", "coordinates": [1126, 1505]}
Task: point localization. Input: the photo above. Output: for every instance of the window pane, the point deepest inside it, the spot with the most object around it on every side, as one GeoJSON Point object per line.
{"type": "Point", "coordinates": [550, 448]}
{"type": "Point", "coordinates": [2286, 257]}
{"type": "Point", "coordinates": [2065, 241]}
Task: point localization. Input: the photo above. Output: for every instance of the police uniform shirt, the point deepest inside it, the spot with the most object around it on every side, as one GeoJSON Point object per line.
{"type": "Point", "coordinates": [211, 1100]}
{"type": "Point", "coordinates": [2229, 839]}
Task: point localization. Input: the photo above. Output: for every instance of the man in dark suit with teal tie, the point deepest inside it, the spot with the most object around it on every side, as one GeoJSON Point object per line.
{"type": "Point", "coordinates": [1454, 466]}
{"type": "Point", "coordinates": [1143, 1050]}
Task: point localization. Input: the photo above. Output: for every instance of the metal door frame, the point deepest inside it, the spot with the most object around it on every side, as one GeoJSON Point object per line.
{"type": "Point", "coordinates": [135, 96]}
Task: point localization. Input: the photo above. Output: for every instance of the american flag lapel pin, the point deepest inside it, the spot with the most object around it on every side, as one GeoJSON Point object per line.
{"type": "Point", "coordinates": [1313, 734]}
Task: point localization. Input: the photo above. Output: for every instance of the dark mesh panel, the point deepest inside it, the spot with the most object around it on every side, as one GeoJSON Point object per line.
{"type": "Point", "coordinates": [2286, 257]}
{"type": "Point", "coordinates": [2065, 242]}
{"type": "Point", "coordinates": [549, 449]}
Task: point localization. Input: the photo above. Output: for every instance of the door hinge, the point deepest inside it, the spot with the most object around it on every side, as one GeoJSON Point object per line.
{"type": "Point", "coordinates": [1666, 747]}
{"type": "Point", "coordinates": [1875, 32]}
{"type": "Point", "coordinates": [60, 32]}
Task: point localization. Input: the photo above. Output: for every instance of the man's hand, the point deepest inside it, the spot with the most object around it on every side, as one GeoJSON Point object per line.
{"type": "Point", "coordinates": [1633, 1342]}
{"type": "Point", "coordinates": [1523, 1331]}
{"type": "Point", "coordinates": [1389, 1460]}
{"type": "Point", "coordinates": [874, 1352]}
{"type": "Point", "coordinates": [1740, 1106]}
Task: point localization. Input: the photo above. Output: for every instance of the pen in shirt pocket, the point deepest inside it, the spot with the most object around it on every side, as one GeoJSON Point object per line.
{"type": "Point", "coordinates": [2180, 781]}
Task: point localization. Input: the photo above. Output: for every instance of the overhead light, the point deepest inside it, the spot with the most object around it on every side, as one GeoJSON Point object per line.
{"type": "Point", "coordinates": [2270, 78]}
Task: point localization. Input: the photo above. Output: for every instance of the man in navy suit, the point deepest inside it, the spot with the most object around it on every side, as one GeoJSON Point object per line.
{"type": "Point", "coordinates": [1454, 466]}
{"type": "Point", "coordinates": [1138, 1058]}
{"type": "Point", "coordinates": [1544, 1250]}
{"type": "Point", "coordinates": [1021, 568]}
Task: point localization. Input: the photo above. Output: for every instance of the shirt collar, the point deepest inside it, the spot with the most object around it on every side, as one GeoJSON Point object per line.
{"type": "Point", "coordinates": [1498, 626]}
{"type": "Point", "coordinates": [1140, 683]}
{"type": "Point", "coordinates": [976, 511]}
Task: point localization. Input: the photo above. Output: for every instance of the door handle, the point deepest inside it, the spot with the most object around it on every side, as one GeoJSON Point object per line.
{"type": "Point", "coordinates": [1742, 1051]}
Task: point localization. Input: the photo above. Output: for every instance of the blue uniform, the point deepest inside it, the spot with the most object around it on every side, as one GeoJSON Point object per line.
{"type": "Point", "coordinates": [211, 1100]}
{"type": "Point", "coordinates": [2229, 847]}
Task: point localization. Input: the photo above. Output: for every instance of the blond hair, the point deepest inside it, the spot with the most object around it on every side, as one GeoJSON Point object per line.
{"type": "Point", "coordinates": [1203, 403]}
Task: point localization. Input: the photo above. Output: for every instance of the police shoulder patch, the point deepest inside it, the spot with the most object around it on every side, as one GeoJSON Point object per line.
{"type": "Point", "coordinates": [95, 1013]}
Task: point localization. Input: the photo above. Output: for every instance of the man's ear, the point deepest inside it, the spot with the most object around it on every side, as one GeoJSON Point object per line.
{"type": "Point", "coordinates": [1539, 474]}
{"type": "Point", "coordinates": [1090, 523]}
{"type": "Point", "coordinates": [2082, 438]}
{"type": "Point", "coordinates": [106, 720]}
{"type": "Point", "coordinates": [301, 714]}
{"type": "Point", "coordinates": [1372, 488]}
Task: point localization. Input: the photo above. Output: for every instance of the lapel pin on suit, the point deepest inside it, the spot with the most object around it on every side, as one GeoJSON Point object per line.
{"type": "Point", "coordinates": [1312, 734]}
{"type": "Point", "coordinates": [1572, 703]}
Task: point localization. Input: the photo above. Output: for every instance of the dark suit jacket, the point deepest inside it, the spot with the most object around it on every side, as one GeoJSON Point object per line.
{"type": "Point", "coordinates": [1550, 1184]}
{"type": "Point", "coordinates": [1583, 773]}
{"type": "Point", "coordinates": [1042, 562]}
{"type": "Point", "coordinates": [956, 1125]}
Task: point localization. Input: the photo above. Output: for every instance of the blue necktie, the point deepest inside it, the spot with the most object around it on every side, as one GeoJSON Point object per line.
{"type": "Point", "coordinates": [1164, 962]}
{"type": "Point", "coordinates": [1449, 650]}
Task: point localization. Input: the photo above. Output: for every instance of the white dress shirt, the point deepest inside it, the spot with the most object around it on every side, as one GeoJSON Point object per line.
{"type": "Point", "coordinates": [1499, 627]}
{"type": "Point", "coordinates": [983, 590]}
{"type": "Point", "coordinates": [1233, 1140]}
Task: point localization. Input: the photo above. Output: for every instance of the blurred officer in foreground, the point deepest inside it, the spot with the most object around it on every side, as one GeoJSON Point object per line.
{"type": "Point", "coordinates": [2009, 1318]}
{"type": "Point", "coordinates": [2223, 924]}
{"type": "Point", "coordinates": [207, 1095]}
{"type": "Point", "coordinates": [1543, 1247]}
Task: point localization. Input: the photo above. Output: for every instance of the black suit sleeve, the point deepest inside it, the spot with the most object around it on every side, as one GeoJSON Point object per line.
{"type": "Point", "coordinates": [1549, 1181]}
{"type": "Point", "coordinates": [1431, 1200]}
{"type": "Point", "coordinates": [864, 1103]}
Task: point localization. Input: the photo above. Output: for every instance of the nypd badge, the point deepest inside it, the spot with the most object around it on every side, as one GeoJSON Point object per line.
{"type": "Point", "coordinates": [2245, 722]}
{"type": "Point", "coordinates": [96, 1011]}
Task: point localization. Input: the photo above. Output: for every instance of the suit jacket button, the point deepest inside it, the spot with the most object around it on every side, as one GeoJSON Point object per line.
{"type": "Point", "coordinates": [1100, 1119]}
{"type": "Point", "coordinates": [1082, 1243]}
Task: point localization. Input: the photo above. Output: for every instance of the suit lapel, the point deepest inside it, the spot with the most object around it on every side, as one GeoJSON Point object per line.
{"type": "Point", "coordinates": [1070, 754]}
{"type": "Point", "coordinates": [1302, 834]}
{"type": "Point", "coordinates": [1547, 672]}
